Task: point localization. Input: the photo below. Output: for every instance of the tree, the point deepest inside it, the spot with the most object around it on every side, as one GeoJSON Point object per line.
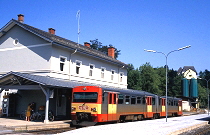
{"type": "Point", "coordinates": [149, 79]}
{"type": "Point", "coordinates": [204, 75]}
{"type": "Point", "coordinates": [133, 77]}
{"type": "Point", "coordinates": [202, 88]}
{"type": "Point", "coordinates": [95, 44]}
{"type": "Point", "coordinates": [202, 96]}
{"type": "Point", "coordinates": [174, 85]}
{"type": "Point", "coordinates": [161, 72]}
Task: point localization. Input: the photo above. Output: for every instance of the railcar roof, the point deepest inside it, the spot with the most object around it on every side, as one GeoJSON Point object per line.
{"type": "Point", "coordinates": [129, 91]}
{"type": "Point", "coordinates": [171, 97]}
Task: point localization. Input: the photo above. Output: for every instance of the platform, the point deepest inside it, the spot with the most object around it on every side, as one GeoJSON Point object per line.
{"type": "Point", "coordinates": [16, 124]}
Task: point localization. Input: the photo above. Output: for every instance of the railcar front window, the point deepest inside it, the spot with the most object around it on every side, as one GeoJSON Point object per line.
{"type": "Point", "coordinates": [153, 101]}
{"type": "Point", "coordinates": [90, 97]}
{"type": "Point", "coordinates": [120, 99]}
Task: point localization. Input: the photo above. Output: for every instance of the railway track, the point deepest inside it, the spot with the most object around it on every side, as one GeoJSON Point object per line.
{"type": "Point", "coordinates": [204, 130]}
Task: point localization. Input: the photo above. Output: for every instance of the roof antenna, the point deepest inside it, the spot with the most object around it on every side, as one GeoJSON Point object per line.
{"type": "Point", "coordinates": [78, 17]}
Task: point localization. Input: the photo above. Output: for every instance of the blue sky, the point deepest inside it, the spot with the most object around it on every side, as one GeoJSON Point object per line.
{"type": "Point", "coordinates": [129, 25]}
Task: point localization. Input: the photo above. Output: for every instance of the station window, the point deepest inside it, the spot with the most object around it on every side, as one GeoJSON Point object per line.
{"type": "Point", "coordinates": [133, 100]}
{"type": "Point", "coordinates": [120, 99]}
{"type": "Point", "coordinates": [112, 75]}
{"type": "Point", "coordinates": [121, 77]}
{"type": "Point", "coordinates": [138, 100]}
{"type": "Point", "coordinates": [91, 70]}
{"type": "Point", "coordinates": [127, 99]}
{"type": "Point", "coordinates": [102, 72]}
{"type": "Point", "coordinates": [62, 63]}
{"type": "Point", "coordinates": [15, 42]}
{"type": "Point", "coordinates": [78, 64]}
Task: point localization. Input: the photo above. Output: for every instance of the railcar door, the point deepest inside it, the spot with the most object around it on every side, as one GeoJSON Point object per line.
{"type": "Point", "coordinates": [163, 109]}
{"type": "Point", "coordinates": [149, 107]}
{"type": "Point", "coordinates": [112, 106]}
{"type": "Point", "coordinates": [180, 107]}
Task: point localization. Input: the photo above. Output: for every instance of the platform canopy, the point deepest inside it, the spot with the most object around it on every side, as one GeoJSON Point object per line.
{"type": "Point", "coordinates": [25, 81]}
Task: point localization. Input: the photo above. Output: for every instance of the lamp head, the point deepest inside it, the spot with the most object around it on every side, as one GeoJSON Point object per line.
{"type": "Point", "coordinates": [149, 50]}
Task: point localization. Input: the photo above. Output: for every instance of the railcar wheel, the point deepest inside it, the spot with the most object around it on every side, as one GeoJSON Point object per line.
{"type": "Point", "coordinates": [139, 117]}
{"type": "Point", "coordinates": [158, 116]}
{"type": "Point", "coordinates": [121, 119]}
{"type": "Point", "coordinates": [155, 116]}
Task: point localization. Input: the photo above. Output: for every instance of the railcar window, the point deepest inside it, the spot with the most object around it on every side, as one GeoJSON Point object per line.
{"type": "Point", "coordinates": [104, 98]}
{"type": "Point", "coordinates": [115, 99]}
{"type": "Point", "coordinates": [172, 103]}
{"type": "Point", "coordinates": [160, 99]}
{"type": "Point", "coordinates": [138, 100]}
{"type": "Point", "coordinates": [153, 101]}
{"type": "Point", "coordinates": [127, 99]}
{"type": "Point", "coordinates": [175, 103]}
{"type": "Point", "coordinates": [120, 99]}
{"type": "Point", "coordinates": [110, 98]}
{"type": "Point", "coordinates": [168, 102]}
{"type": "Point", "coordinates": [90, 97]}
{"type": "Point", "coordinates": [143, 100]}
{"type": "Point", "coordinates": [133, 100]}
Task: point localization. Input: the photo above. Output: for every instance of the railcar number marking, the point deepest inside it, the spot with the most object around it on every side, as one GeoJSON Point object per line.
{"type": "Point", "coordinates": [83, 107]}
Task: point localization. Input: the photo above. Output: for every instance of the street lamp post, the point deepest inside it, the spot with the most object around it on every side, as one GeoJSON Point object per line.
{"type": "Point", "coordinates": [166, 56]}
{"type": "Point", "coordinates": [207, 89]}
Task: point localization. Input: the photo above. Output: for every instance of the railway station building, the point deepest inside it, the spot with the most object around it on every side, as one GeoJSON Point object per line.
{"type": "Point", "coordinates": [39, 66]}
{"type": "Point", "coordinates": [189, 88]}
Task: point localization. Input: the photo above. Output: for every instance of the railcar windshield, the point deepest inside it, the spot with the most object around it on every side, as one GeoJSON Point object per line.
{"type": "Point", "coordinates": [90, 97]}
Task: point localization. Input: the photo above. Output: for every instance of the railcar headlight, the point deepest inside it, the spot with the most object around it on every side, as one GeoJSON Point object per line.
{"type": "Point", "coordinates": [73, 109]}
{"type": "Point", "coordinates": [93, 110]}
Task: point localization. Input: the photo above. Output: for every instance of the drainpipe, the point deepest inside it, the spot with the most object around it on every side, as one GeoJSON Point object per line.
{"type": "Point", "coordinates": [70, 62]}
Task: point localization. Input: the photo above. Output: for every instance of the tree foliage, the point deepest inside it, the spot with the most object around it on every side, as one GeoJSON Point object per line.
{"type": "Point", "coordinates": [149, 80]}
{"type": "Point", "coordinates": [204, 78]}
{"type": "Point", "coordinates": [202, 96]}
{"type": "Point", "coordinates": [133, 77]}
{"type": "Point", "coordinates": [153, 80]}
{"type": "Point", "coordinates": [95, 44]}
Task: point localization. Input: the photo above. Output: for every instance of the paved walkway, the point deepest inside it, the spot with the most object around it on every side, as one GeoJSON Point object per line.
{"type": "Point", "coordinates": [173, 126]}
{"type": "Point", "coordinates": [15, 124]}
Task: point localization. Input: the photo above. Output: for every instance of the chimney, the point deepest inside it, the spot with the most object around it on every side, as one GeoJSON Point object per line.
{"type": "Point", "coordinates": [51, 31]}
{"type": "Point", "coordinates": [87, 44]}
{"type": "Point", "coordinates": [21, 18]}
{"type": "Point", "coordinates": [111, 52]}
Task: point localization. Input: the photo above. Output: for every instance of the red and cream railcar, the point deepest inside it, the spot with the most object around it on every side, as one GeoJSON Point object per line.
{"type": "Point", "coordinates": [92, 104]}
